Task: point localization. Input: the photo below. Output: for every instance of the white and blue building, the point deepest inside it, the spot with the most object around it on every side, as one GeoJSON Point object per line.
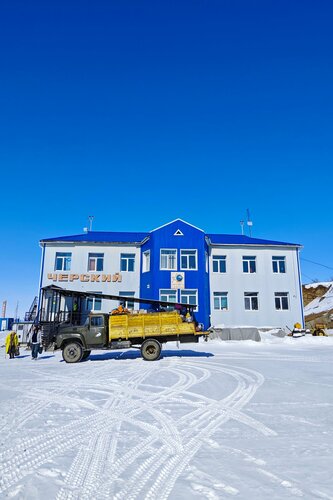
{"type": "Point", "coordinates": [232, 279]}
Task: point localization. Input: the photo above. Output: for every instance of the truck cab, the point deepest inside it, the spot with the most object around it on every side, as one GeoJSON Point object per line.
{"type": "Point", "coordinates": [93, 334]}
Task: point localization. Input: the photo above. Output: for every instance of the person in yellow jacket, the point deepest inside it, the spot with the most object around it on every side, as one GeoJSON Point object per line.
{"type": "Point", "coordinates": [11, 344]}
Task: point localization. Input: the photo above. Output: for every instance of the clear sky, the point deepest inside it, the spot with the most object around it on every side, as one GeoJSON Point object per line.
{"type": "Point", "coordinates": [140, 112]}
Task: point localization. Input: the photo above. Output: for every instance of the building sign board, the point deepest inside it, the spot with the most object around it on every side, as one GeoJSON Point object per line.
{"type": "Point", "coordinates": [85, 278]}
{"type": "Point", "coordinates": [177, 281]}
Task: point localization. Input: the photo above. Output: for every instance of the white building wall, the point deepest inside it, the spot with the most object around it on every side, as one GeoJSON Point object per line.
{"type": "Point", "coordinates": [124, 281]}
{"type": "Point", "coordinates": [264, 281]}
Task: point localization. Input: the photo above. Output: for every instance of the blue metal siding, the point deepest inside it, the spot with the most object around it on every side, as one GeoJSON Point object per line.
{"type": "Point", "coordinates": [239, 239]}
{"type": "Point", "coordinates": [102, 237]}
{"type": "Point", "coordinates": [156, 279]}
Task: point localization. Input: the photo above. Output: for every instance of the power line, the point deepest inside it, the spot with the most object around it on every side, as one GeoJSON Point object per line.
{"type": "Point", "coordinates": [317, 263]}
{"type": "Point", "coordinates": [309, 277]}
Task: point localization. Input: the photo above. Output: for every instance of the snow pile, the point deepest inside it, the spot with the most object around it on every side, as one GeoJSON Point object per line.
{"type": "Point", "coordinates": [325, 284]}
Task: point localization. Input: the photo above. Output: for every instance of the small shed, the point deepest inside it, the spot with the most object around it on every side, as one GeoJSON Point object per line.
{"type": "Point", "coordinates": [6, 323]}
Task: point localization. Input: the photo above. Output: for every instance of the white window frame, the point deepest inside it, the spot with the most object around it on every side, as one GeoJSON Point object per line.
{"type": "Point", "coordinates": [168, 292]}
{"type": "Point", "coordinates": [127, 257]}
{"type": "Point", "coordinates": [280, 296]}
{"type": "Point", "coordinates": [168, 259]}
{"type": "Point", "coordinates": [248, 297]}
{"type": "Point", "coordinates": [218, 259]}
{"type": "Point", "coordinates": [95, 257]}
{"type": "Point", "coordinates": [247, 259]}
{"type": "Point", "coordinates": [187, 259]}
{"type": "Point", "coordinates": [219, 296]}
{"type": "Point", "coordinates": [127, 299]}
{"type": "Point", "coordinates": [278, 260]}
{"type": "Point", "coordinates": [146, 261]}
{"type": "Point", "coordinates": [191, 292]}
{"type": "Point", "coordinates": [63, 257]}
{"type": "Point", "coordinates": [94, 299]}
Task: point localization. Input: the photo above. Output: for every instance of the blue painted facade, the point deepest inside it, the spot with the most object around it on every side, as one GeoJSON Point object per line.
{"type": "Point", "coordinates": [180, 236]}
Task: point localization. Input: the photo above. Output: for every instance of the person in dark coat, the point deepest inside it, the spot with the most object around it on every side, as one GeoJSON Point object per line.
{"type": "Point", "coordinates": [35, 342]}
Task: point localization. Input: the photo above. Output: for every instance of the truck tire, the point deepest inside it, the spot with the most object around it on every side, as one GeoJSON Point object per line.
{"type": "Point", "coordinates": [72, 352]}
{"type": "Point", "coordinates": [151, 350]}
{"type": "Point", "coordinates": [86, 355]}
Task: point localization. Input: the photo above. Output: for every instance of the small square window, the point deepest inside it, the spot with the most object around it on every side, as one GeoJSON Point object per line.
{"type": "Point", "coordinates": [281, 301]}
{"type": "Point", "coordinates": [249, 264]}
{"type": "Point", "coordinates": [63, 261]}
{"type": "Point", "coordinates": [127, 261]}
{"type": "Point", "coordinates": [219, 264]}
{"type": "Point", "coordinates": [251, 301]}
{"type": "Point", "coordinates": [168, 259]}
{"type": "Point", "coordinates": [95, 262]}
{"type": "Point", "coordinates": [221, 301]}
{"type": "Point", "coordinates": [279, 264]}
{"type": "Point", "coordinates": [188, 260]}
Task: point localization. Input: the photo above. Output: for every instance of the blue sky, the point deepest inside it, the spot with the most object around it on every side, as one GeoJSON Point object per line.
{"type": "Point", "coordinates": [142, 112]}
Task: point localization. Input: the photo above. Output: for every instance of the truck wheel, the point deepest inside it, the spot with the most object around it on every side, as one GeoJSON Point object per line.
{"type": "Point", "coordinates": [86, 355]}
{"type": "Point", "coordinates": [151, 350]}
{"type": "Point", "coordinates": [72, 352]}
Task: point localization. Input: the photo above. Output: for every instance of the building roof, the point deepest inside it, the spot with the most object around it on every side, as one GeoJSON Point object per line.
{"type": "Point", "coordinates": [101, 237]}
{"type": "Point", "coordinates": [138, 238]}
{"type": "Point", "coordinates": [240, 239]}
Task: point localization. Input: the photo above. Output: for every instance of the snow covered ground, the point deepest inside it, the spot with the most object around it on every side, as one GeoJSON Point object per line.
{"type": "Point", "coordinates": [247, 420]}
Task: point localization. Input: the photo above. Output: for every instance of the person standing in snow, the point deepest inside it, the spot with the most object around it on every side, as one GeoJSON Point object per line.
{"type": "Point", "coordinates": [11, 344]}
{"type": "Point", "coordinates": [35, 342]}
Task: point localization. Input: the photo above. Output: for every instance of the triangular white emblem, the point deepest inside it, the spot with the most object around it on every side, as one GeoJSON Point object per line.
{"type": "Point", "coordinates": [178, 233]}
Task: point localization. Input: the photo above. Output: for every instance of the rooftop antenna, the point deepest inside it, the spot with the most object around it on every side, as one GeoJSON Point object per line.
{"type": "Point", "coordinates": [242, 226]}
{"type": "Point", "coordinates": [90, 218]}
{"type": "Point", "coordinates": [249, 222]}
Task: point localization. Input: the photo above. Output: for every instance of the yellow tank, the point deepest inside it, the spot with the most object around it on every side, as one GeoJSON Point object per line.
{"type": "Point", "coordinates": [127, 326]}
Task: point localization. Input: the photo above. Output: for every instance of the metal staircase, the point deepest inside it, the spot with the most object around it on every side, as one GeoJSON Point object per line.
{"type": "Point", "coordinates": [32, 313]}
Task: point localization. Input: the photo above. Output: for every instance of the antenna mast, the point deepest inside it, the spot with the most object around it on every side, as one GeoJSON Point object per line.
{"type": "Point", "coordinates": [90, 218]}
{"type": "Point", "coordinates": [249, 222]}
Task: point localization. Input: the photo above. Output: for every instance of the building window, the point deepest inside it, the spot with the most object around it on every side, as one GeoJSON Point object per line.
{"type": "Point", "coordinates": [95, 261]}
{"type": "Point", "coordinates": [189, 297]}
{"type": "Point", "coordinates": [219, 264]}
{"type": "Point", "coordinates": [127, 303]}
{"type": "Point", "coordinates": [146, 261]}
{"type": "Point", "coordinates": [93, 303]}
{"type": "Point", "coordinates": [127, 262]}
{"type": "Point", "coordinates": [168, 260]}
{"type": "Point", "coordinates": [63, 261]}
{"type": "Point", "coordinates": [168, 295]}
{"type": "Point", "coordinates": [281, 301]}
{"type": "Point", "coordinates": [279, 264]}
{"type": "Point", "coordinates": [221, 301]}
{"type": "Point", "coordinates": [251, 301]}
{"type": "Point", "coordinates": [188, 259]}
{"type": "Point", "coordinates": [249, 264]}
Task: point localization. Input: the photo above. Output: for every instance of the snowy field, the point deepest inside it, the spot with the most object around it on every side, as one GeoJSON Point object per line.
{"type": "Point", "coordinates": [242, 420]}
